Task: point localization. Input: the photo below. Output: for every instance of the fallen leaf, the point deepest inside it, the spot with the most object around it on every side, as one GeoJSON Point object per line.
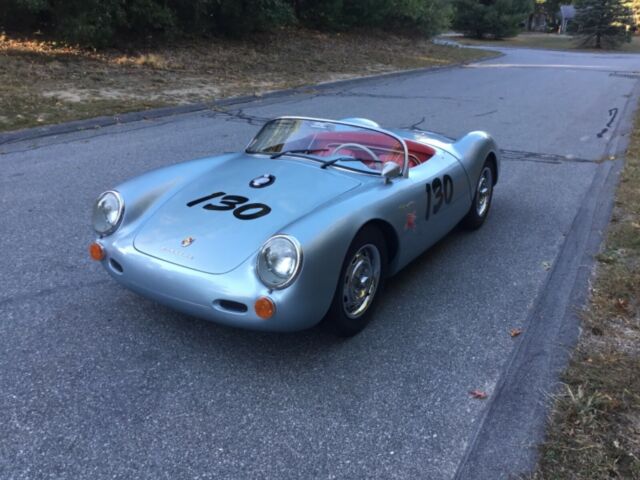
{"type": "Point", "coordinates": [478, 394]}
{"type": "Point", "coordinates": [514, 332]}
{"type": "Point", "coordinates": [623, 304]}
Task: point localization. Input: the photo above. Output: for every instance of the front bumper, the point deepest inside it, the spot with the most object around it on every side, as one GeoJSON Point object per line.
{"type": "Point", "coordinates": [227, 298]}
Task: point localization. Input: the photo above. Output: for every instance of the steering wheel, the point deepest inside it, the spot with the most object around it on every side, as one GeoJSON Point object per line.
{"type": "Point", "coordinates": [357, 146]}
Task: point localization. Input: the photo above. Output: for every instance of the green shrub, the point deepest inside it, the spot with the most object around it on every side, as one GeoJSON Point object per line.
{"type": "Point", "coordinates": [497, 18]}
{"type": "Point", "coordinates": [22, 15]}
{"type": "Point", "coordinates": [411, 17]}
{"type": "Point", "coordinates": [238, 18]}
{"type": "Point", "coordinates": [418, 17]}
{"type": "Point", "coordinates": [91, 22]}
{"type": "Point", "coordinates": [100, 23]}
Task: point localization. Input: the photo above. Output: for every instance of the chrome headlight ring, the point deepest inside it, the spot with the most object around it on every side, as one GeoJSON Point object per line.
{"type": "Point", "coordinates": [108, 212]}
{"type": "Point", "coordinates": [279, 261]}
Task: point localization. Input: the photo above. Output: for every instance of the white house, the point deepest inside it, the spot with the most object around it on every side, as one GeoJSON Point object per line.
{"type": "Point", "coordinates": [567, 14]}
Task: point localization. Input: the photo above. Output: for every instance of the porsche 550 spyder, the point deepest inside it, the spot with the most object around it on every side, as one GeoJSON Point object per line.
{"type": "Point", "coordinates": [305, 224]}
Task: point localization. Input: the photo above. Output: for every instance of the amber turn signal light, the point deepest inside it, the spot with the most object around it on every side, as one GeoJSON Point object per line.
{"type": "Point", "coordinates": [96, 251]}
{"type": "Point", "coordinates": [265, 308]}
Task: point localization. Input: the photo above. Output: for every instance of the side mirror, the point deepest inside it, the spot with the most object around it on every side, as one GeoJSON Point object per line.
{"type": "Point", "coordinates": [390, 170]}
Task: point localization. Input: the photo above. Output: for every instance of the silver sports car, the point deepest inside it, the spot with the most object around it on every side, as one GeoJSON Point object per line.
{"type": "Point", "coordinates": [305, 224]}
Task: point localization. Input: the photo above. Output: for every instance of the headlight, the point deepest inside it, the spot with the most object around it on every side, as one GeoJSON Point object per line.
{"type": "Point", "coordinates": [279, 261]}
{"type": "Point", "coordinates": [107, 212]}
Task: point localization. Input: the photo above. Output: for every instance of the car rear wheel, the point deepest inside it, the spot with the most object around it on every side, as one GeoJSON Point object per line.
{"type": "Point", "coordinates": [360, 283]}
{"type": "Point", "coordinates": [482, 199]}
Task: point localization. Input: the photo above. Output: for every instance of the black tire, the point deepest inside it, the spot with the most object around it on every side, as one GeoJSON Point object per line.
{"type": "Point", "coordinates": [479, 209]}
{"type": "Point", "coordinates": [338, 319]}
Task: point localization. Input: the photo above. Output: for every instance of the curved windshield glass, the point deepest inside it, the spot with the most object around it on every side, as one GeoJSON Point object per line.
{"type": "Point", "coordinates": [329, 143]}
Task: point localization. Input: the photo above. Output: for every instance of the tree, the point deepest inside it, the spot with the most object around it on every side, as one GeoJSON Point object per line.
{"type": "Point", "coordinates": [552, 9]}
{"type": "Point", "coordinates": [105, 23]}
{"type": "Point", "coordinates": [498, 18]}
{"type": "Point", "coordinates": [421, 17]}
{"type": "Point", "coordinates": [239, 18]}
{"type": "Point", "coordinates": [602, 23]}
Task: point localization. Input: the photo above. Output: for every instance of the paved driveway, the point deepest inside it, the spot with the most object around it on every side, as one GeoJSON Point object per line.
{"type": "Point", "coordinates": [96, 382]}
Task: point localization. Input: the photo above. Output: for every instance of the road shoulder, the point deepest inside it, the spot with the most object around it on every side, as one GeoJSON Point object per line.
{"type": "Point", "coordinates": [508, 436]}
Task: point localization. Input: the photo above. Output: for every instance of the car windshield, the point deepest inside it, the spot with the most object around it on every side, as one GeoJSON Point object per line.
{"type": "Point", "coordinates": [329, 143]}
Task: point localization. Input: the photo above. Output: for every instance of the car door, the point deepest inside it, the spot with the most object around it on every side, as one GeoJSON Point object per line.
{"type": "Point", "coordinates": [441, 197]}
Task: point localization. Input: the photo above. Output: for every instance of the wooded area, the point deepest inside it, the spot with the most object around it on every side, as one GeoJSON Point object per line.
{"type": "Point", "coordinates": [101, 23]}
{"type": "Point", "coordinates": [124, 23]}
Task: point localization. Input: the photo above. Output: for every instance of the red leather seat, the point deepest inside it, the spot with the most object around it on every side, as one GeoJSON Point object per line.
{"type": "Point", "coordinates": [418, 152]}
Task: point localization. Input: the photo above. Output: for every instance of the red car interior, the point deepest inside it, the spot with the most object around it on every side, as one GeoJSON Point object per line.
{"type": "Point", "coordinates": [387, 148]}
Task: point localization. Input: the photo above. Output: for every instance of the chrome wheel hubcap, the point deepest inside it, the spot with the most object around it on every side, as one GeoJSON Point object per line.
{"type": "Point", "coordinates": [361, 281]}
{"type": "Point", "coordinates": [485, 184]}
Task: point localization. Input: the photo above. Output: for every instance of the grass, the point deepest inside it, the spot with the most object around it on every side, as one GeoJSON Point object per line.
{"type": "Point", "coordinates": [45, 82]}
{"type": "Point", "coordinates": [594, 431]}
{"type": "Point", "coordinates": [549, 41]}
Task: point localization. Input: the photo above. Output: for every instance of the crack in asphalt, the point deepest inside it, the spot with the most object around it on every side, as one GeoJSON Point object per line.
{"type": "Point", "coordinates": [416, 126]}
{"type": "Point", "coordinates": [235, 115]}
{"type": "Point", "coordinates": [613, 112]}
{"type": "Point", "coordinates": [552, 158]}
{"type": "Point", "coordinates": [387, 96]}
{"type": "Point", "coordinates": [485, 113]}
{"type": "Point", "coordinates": [632, 75]}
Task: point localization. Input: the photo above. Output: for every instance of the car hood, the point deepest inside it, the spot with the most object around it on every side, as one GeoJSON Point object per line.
{"type": "Point", "coordinates": [217, 241]}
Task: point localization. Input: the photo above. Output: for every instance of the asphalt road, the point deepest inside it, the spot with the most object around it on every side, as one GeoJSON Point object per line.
{"type": "Point", "coordinates": [96, 382]}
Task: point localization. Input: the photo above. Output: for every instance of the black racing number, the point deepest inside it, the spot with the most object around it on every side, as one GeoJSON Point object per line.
{"type": "Point", "coordinates": [237, 203]}
{"type": "Point", "coordinates": [428, 187]}
{"type": "Point", "coordinates": [448, 189]}
{"type": "Point", "coordinates": [438, 195]}
{"type": "Point", "coordinates": [204, 199]}
{"type": "Point", "coordinates": [439, 192]}
{"type": "Point", "coordinates": [228, 202]}
{"type": "Point", "coordinates": [260, 211]}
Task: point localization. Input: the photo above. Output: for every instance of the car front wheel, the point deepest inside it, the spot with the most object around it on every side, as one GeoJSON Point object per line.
{"type": "Point", "coordinates": [360, 283]}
